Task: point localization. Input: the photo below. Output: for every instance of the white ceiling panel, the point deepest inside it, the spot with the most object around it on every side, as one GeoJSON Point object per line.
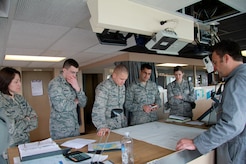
{"type": "Point", "coordinates": [88, 58]}
{"type": "Point", "coordinates": [3, 36]}
{"type": "Point", "coordinates": [54, 12]}
{"type": "Point", "coordinates": [26, 64]}
{"type": "Point", "coordinates": [54, 53]}
{"type": "Point", "coordinates": [85, 24]}
{"type": "Point", "coordinates": [76, 40]}
{"type": "Point", "coordinates": [34, 36]}
{"type": "Point", "coordinates": [23, 51]}
{"type": "Point", "coordinates": [16, 63]}
{"type": "Point", "coordinates": [42, 64]}
{"type": "Point", "coordinates": [67, 54]}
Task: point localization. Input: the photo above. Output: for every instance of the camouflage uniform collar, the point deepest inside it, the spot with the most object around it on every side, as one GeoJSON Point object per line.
{"type": "Point", "coordinates": [7, 97]}
{"type": "Point", "coordinates": [9, 100]}
{"type": "Point", "coordinates": [182, 81]}
{"type": "Point", "coordinates": [63, 79]}
{"type": "Point", "coordinates": [112, 81]}
{"type": "Point", "coordinates": [179, 84]}
{"type": "Point", "coordinates": [141, 83]}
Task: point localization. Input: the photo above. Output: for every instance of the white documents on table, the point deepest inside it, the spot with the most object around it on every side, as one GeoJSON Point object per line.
{"type": "Point", "coordinates": [175, 118]}
{"type": "Point", "coordinates": [194, 123]}
{"type": "Point", "coordinates": [77, 143]}
{"type": "Point", "coordinates": [60, 159]}
{"type": "Point", "coordinates": [48, 145]}
{"type": "Point", "coordinates": [161, 134]}
{"type": "Point", "coordinates": [33, 148]}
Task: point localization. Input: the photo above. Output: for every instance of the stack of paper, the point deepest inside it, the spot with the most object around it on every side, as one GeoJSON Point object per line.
{"type": "Point", "coordinates": [175, 118]}
{"type": "Point", "coordinates": [58, 159]}
{"type": "Point", "coordinates": [39, 147]}
{"type": "Point", "coordinates": [195, 123]}
{"type": "Point", "coordinates": [77, 143]}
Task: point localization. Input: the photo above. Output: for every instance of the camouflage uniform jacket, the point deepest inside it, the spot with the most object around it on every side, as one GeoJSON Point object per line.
{"type": "Point", "coordinates": [64, 116]}
{"type": "Point", "coordinates": [108, 96]}
{"type": "Point", "coordinates": [178, 106]}
{"type": "Point", "coordinates": [22, 118]}
{"type": "Point", "coordinates": [4, 135]}
{"type": "Point", "coordinates": [138, 95]}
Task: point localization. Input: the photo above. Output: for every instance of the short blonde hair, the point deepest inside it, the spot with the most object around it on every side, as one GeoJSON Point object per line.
{"type": "Point", "coordinates": [120, 69]}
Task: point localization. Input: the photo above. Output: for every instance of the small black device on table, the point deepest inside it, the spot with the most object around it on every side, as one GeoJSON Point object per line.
{"type": "Point", "coordinates": [77, 156]}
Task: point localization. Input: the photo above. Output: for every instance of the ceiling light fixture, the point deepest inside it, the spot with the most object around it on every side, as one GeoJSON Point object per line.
{"type": "Point", "coordinates": [170, 65]}
{"type": "Point", "coordinates": [34, 58]}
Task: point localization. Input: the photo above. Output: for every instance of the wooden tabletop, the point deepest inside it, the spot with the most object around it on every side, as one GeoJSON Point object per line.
{"type": "Point", "coordinates": [143, 152]}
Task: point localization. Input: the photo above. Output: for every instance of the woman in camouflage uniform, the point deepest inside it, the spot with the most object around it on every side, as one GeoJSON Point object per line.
{"type": "Point", "coordinates": [179, 93]}
{"type": "Point", "coordinates": [22, 118]}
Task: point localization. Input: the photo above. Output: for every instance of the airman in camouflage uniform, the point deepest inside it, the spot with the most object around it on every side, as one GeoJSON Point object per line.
{"type": "Point", "coordinates": [140, 96]}
{"type": "Point", "coordinates": [110, 94]}
{"type": "Point", "coordinates": [179, 93]}
{"type": "Point", "coordinates": [22, 118]}
{"type": "Point", "coordinates": [65, 95]}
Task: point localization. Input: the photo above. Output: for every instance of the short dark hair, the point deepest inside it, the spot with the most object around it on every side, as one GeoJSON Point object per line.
{"type": "Point", "coordinates": [178, 68]}
{"type": "Point", "coordinates": [228, 47]}
{"type": "Point", "coordinates": [70, 62]}
{"type": "Point", "coordinates": [7, 74]}
{"type": "Point", "coordinates": [146, 65]}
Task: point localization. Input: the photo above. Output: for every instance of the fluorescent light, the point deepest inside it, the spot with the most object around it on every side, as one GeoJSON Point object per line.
{"type": "Point", "coordinates": [244, 52]}
{"type": "Point", "coordinates": [34, 58]}
{"type": "Point", "coordinates": [170, 65]}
